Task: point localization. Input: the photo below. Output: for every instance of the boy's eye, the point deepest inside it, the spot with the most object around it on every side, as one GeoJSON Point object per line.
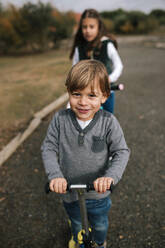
{"type": "Point", "coordinates": [75, 94]}
{"type": "Point", "coordinates": [92, 95]}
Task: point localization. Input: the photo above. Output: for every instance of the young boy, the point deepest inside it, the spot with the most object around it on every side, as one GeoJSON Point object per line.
{"type": "Point", "coordinates": [85, 144]}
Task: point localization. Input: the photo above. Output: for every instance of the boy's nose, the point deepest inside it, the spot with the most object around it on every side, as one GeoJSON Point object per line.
{"type": "Point", "coordinates": [83, 100]}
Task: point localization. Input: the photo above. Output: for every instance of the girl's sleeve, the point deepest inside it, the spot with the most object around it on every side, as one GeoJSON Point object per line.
{"type": "Point", "coordinates": [75, 56]}
{"type": "Point", "coordinates": [116, 61]}
{"type": "Point", "coordinates": [50, 150]}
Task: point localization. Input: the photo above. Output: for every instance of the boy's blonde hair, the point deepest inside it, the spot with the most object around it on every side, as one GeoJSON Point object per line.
{"type": "Point", "coordinates": [88, 72]}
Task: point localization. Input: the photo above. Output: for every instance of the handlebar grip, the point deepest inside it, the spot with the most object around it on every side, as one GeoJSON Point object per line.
{"type": "Point", "coordinates": [47, 189]}
{"type": "Point", "coordinates": [91, 187]}
{"type": "Point", "coordinates": [112, 187]}
{"type": "Point", "coordinates": [117, 86]}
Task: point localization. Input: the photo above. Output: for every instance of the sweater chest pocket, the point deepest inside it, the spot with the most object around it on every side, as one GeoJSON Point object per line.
{"type": "Point", "coordinates": [98, 144]}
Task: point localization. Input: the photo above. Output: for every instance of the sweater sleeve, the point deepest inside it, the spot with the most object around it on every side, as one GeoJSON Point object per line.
{"type": "Point", "coordinates": [118, 150]}
{"type": "Point", "coordinates": [116, 61]}
{"type": "Point", "coordinates": [75, 56]}
{"type": "Point", "coordinates": [50, 149]}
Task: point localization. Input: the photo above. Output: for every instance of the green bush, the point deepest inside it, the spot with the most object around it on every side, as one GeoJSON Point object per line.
{"type": "Point", "coordinates": [133, 22]}
{"type": "Point", "coordinates": [108, 24]}
{"type": "Point", "coordinates": [37, 27]}
{"type": "Point", "coordinates": [9, 38]}
{"type": "Point", "coordinates": [33, 27]}
{"type": "Point", "coordinates": [38, 19]}
{"type": "Point", "coordinates": [112, 15]}
{"type": "Point", "coordinates": [120, 21]}
{"type": "Point", "coordinates": [1, 9]}
{"type": "Point", "coordinates": [62, 25]}
{"type": "Point", "coordinates": [159, 14]}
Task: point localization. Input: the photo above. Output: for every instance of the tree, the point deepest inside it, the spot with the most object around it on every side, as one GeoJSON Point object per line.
{"type": "Point", "coordinates": [63, 24]}
{"type": "Point", "coordinates": [38, 19]}
{"type": "Point", "coordinates": [112, 15]}
{"type": "Point", "coordinates": [159, 14]}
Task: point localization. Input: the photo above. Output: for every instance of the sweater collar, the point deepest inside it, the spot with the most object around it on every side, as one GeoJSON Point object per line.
{"type": "Point", "coordinates": [87, 128]}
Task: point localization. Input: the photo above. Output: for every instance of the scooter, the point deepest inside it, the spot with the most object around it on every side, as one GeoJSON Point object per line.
{"type": "Point", "coordinates": [85, 235]}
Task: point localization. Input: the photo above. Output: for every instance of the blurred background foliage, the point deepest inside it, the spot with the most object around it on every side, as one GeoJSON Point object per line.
{"type": "Point", "coordinates": [40, 27]}
{"type": "Point", "coordinates": [33, 27]}
{"type": "Point", "coordinates": [133, 22]}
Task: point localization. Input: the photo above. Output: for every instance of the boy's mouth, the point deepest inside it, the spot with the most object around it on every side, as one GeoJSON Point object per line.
{"type": "Point", "coordinates": [83, 111]}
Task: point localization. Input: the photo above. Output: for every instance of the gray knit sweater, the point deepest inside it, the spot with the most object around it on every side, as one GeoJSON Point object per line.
{"type": "Point", "coordinates": [83, 155]}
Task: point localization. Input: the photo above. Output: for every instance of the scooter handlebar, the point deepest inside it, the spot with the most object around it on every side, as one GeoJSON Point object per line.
{"type": "Point", "coordinates": [117, 86]}
{"type": "Point", "coordinates": [70, 187]}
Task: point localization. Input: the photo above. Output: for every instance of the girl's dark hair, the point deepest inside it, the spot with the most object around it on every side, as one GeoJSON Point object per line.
{"type": "Point", "coordinates": [79, 39]}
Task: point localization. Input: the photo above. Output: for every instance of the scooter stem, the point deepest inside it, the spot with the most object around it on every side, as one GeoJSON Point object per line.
{"type": "Point", "coordinates": [83, 211]}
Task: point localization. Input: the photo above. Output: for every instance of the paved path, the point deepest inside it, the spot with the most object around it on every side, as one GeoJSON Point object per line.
{"type": "Point", "coordinates": [30, 219]}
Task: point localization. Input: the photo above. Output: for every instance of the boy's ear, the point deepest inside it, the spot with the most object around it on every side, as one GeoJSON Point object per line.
{"type": "Point", "coordinates": [104, 98]}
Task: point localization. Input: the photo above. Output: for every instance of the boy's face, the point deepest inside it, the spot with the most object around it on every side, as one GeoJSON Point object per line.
{"type": "Point", "coordinates": [90, 28]}
{"type": "Point", "coordinates": [85, 103]}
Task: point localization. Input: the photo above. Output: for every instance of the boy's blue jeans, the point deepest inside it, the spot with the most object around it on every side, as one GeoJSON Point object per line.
{"type": "Point", "coordinates": [110, 103]}
{"type": "Point", "coordinates": [97, 215]}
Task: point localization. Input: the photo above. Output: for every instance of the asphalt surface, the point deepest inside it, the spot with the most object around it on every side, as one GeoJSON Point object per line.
{"type": "Point", "coordinates": [31, 219]}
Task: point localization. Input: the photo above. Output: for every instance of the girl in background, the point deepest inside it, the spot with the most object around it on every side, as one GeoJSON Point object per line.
{"type": "Point", "coordinates": [92, 41]}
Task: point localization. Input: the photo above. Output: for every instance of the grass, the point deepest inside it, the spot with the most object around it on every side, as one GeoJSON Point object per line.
{"type": "Point", "coordinates": [27, 84]}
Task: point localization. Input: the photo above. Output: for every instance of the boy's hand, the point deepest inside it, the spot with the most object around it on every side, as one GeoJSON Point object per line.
{"type": "Point", "coordinates": [58, 185]}
{"type": "Point", "coordinates": [102, 184]}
